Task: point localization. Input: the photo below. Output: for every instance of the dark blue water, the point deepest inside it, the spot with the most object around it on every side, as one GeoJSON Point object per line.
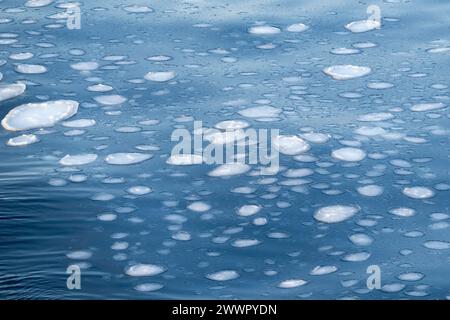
{"type": "Point", "coordinates": [48, 221]}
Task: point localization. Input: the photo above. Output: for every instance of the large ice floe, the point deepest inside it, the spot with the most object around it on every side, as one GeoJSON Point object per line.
{"type": "Point", "coordinates": [39, 115]}
{"type": "Point", "coordinates": [9, 91]}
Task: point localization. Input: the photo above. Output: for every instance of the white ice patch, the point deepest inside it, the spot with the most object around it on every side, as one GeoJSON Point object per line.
{"type": "Point", "coordinates": [144, 270]}
{"type": "Point", "coordinates": [85, 66]}
{"type": "Point", "coordinates": [323, 270]}
{"type": "Point", "coordinates": [199, 206]}
{"type": "Point", "coordinates": [345, 51]}
{"type": "Point", "coordinates": [160, 76]}
{"type": "Point", "coordinates": [261, 112]}
{"type": "Point", "coordinates": [437, 245]}
{"type": "Point", "coordinates": [264, 30]}
{"type": "Point", "coordinates": [78, 159]}
{"type": "Point", "coordinates": [348, 154]}
{"type": "Point", "coordinates": [418, 192]}
{"type": "Point", "coordinates": [421, 107]}
{"type": "Point", "coordinates": [403, 212]}
{"type": "Point", "coordinates": [370, 131]}
{"type": "Point", "coordinates": [232, 125]}
{"type": "Point", "coordinates": [39, 115]}
{"type": "Point", "coordinates": [376, 116]}
{"type": "Point", "coordinates": [290, 145]}
{"type": "Point", "coordinates": [99, 88]}
{"type": "Point", "coordinates": [184, 159]}
{"type": "Point", "coordinates": [361, 239]}
{"type": "Point", "coordinates": [37, 3]}
{"type": "Point", "coordinates": [138, 9]}
{"type": "Point", "coordinates": [379, 85]}
{"type": "Point", "coordinates": [30, 68]}
{"type": "Point", "coordinates": [9, 91]}
{"type": "Point", "coordinates": [79, 123]}
{"type": "Point", "coordinates": [370, 190]}
{"type": "Point", "coordinates": [292, 283]}
{"type": "Point", "coordinates": [21, 56]}
{"type": "Point", "coordinates": [110, 100]}
{"type": "Point", "coordinates": [223, 275]}
{"type": "Point", "coordinates": [244, 243]}
{"type": "Point", "coordinates": [356, 257]}
{"type": "Point", "coordinates": [139, 190]}
{"type": "Point", "coordinates": [297, 27]}
{"type": "Point", "coordinates": [410, 276]}
{"type": "Point", "coordinates": [127, 158]}
{"type": "Point", "coordinates": [22, 140]}
{"type": "Point", "coordinates": [363, 25]}
{"type": "Point", "coordinates": [148, 287]}
{"type": "Point", "coordinates": [248, 210]}
{"type": "Point", "coordinates": [316, 137]}
{"type": "Point", "coordinates": [79, 255]}
{"type": "Point", "coordinates": [335, 214]}
{"type": "Point", "coordinates": [346, 72]}
{"type": "Point", "coordinates": [229, 169]}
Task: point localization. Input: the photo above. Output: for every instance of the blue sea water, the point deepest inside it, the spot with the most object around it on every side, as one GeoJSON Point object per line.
{"type": "Point", "coordinates": [158, 245]}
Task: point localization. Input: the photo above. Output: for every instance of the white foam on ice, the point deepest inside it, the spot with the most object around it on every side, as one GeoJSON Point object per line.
{"type": "Point", "coordinates": [78, 159]}
{"type": "Point", "coordinates": [224, 275]}
{"type": "Point", "coordinates": [346, 72]}
{"type": "Point", "coordinates": [123, 158]}
{"type": "Point", "coordinates": [335, 213]}
{"type": "Point", "coordinates": [160, 76]}
{"type": "Point", "coordinates": [348, 154]}
{"type": "Point", "coordinates": [9, 91]}
{"type": "Point", "coordinates": [418, 192]}
{"type": "Point", "coordinates": [39, 115]}
{"type": "Point", "coordinates": [22, 140]}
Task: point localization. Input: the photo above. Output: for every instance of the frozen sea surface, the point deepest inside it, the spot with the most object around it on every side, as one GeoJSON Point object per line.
{"type": "Point", "coordinates": [87, 176]}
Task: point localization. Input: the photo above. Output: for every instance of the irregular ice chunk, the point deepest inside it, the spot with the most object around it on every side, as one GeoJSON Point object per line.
{"type": "Point", "coordinates": [223, 275]}
{"type": "Point", "coordinates": [78, 159]}
{"type": "Point", "coordinates": [348, 154]}
{"type": "Point", "coordinates": [9, 91]}
{"type": "Point", "coordinates": [160, 76]}
{"type": "Point", "coordinates": [297, 27]}
{"type": "Point", "coordinates": [127, 158]}
{"type": "Point", "coordinates": [363, 25]}
{"type": "Point", "coordinates": [229, 169]}
{"type": "Point", "coordinates": [418, 192]}
{"type": "Point", "coordinates": [22, 140]}
{"type": "Point", "coordinates": [39, 115]}
{"type": "Point", "coordinates": [335, 213]}
{"type": "Point", "coordinates": [184, 159]}
{"type": "Point", "coordinates": [346, 72]}
{"type": "Point", "coordinates": [144, 270]}
{"type": "Point", "coordinates": [30, 68]}
{"type": "Point", "coordinates": [292, 283]}
{"type": "Point", "coordinates": [290, 145]}
{"type": "Point", "coordinates": [110, 100]}
{"type": "Point", "coordinates": [264, 30]}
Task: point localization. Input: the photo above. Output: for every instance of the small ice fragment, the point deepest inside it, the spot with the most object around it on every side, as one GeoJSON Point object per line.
{"type": "Point", "coordinates": [78, 160]}
{"type": "Point", "coordinates": [348, 154]}
{"type": "Point", "coordinates": [223, 275]}
{"type": "Point", "coordinates": [22, 140]}
{"type": "Point", "coordinates": [346, 72]}
{"type": "Point", "coordinates": [418, 192]}
{"type": "Point", "coordinates": [229, 169]}
{"type": "Point", "coordinates": [122, 158]}
{"type": "Point", "coordinates": [264, 30]}
{"type": "Point", "coordinates": [297, 27]}
{"type": "Point", "coordinates": [161, 76]}
{"type": "Point", "coordinates": [9, 91]}
{"type": "Point", "coordinates": [144, 270]}
{"type": "Point", "coordinates": [335, 213]}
